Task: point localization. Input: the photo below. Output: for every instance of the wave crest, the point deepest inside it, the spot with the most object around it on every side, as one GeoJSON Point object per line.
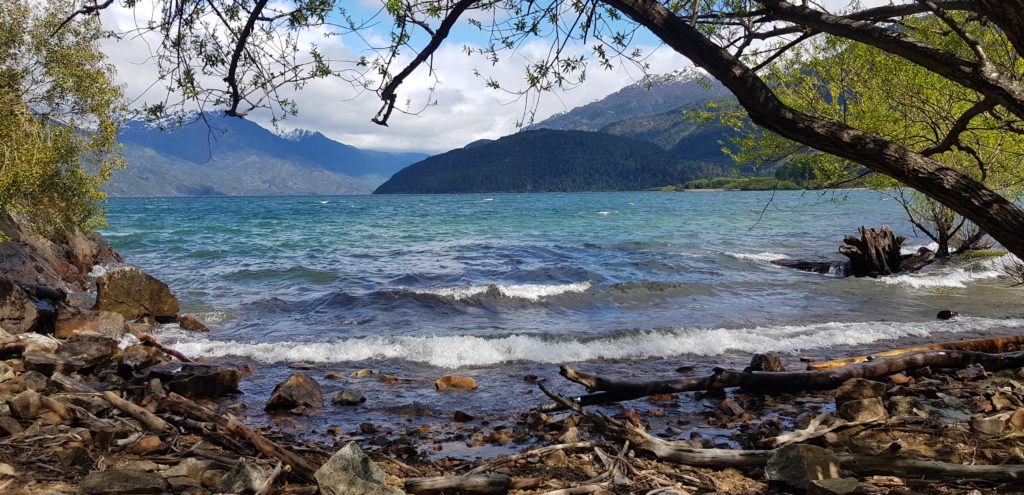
{"type": "Point", "coordinates": [468, 350]}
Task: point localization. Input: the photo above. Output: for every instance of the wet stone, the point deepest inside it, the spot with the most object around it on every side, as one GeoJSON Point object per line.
{"type": "Point", "coordinates": [122, 482]}
{"type": "Point", "coordinates": [348, 397]}
{"type": "Point", "coordinates": [297, 393]}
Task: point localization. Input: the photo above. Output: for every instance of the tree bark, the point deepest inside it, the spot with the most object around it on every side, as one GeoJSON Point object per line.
{"type": "Point", "coordinates": [1003, 220]}
{"type": "Point", "coordinates": [615, 390]}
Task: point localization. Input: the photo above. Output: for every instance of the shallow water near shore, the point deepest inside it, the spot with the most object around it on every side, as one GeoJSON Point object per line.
{"type": "Point", "coordinates": [499, 286]}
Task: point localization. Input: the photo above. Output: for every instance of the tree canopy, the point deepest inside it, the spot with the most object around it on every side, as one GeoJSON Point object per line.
{"type": "Point", "coordinates": [58, 117]}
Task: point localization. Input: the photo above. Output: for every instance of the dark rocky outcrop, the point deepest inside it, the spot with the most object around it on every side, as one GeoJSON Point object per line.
{"type": "Point", "coordinates": [296, 394]}
{"type": "Point", "coordinates": [18, 313]}
{"type": "Point", "coordinates": [30, 258]}
{"type": "Point", "coordinates": [135, 294]}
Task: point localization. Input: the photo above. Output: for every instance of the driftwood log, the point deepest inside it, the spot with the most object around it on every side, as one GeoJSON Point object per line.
{"type": "Point", "coordinates": [992, 345]}
{"type": "Point", "coordinates": [230, 427]}
{"type": "Point", "coordinates": [876, 254]}
{"type": "Point", "coordinates": [887, 463]}
{"type": "Point", "coordinates": [822, 267]}
{"type": "Point", "coordinates": [616, 390]}
{"type": "Point", "coordinates": [473, 484]}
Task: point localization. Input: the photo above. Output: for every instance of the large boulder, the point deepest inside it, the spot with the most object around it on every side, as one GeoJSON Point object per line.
{"type": "Point", "coordinates": [135, 294]}
{"type": "Point", "coordinates": [296, 394]}
{"type": "Point", "coordinates": [244, 478]}
{"type": "Point", "coordinates": [18, 313]}
{"type": "Point", "coordinates": [859, 388]}
{"type": "Point", "coordinates": [351, 472]}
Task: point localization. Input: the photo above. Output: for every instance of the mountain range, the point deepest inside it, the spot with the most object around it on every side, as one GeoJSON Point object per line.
{"type": "Point", "coordinates": [639, 137]}
{"type": "Point", "coordinates": [220, 155]}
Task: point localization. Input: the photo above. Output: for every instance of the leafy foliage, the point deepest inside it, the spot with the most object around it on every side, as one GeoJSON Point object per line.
{"type": "Point", "coordinates": [869, 89]}
{"type": "Point", "coordinates": [58, 126]}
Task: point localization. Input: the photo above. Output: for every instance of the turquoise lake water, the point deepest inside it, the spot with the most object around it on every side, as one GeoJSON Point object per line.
{"type": "Point", "coordinates": [498, 284]}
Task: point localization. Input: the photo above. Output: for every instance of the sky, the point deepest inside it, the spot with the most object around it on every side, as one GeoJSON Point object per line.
{"type": "Point", "coordinates": [463, 109]}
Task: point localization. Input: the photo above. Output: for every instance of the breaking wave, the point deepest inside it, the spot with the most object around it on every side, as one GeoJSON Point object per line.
{"type": "Point", "coordinates": [955, 277]}
{"type": "Point", "coordinates": [466, 350]}
{"type": "Point", "coordinates": [529, 292]}
{"type": "Point", "coordinates": [765, 256]}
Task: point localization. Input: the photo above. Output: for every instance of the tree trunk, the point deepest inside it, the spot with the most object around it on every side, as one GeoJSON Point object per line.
{"type": "Point", "coordinates": [874, 254]}
{"type": "Point", "coordinates": [1003, 220]}
{"type": "Point", "coordinates": [994, 345]}
{"type": "Point", "coordinates": [475, 484]}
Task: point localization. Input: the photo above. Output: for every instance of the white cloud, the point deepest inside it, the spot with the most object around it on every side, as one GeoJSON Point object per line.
{"type": "Point", "coordinates": [464, 109]}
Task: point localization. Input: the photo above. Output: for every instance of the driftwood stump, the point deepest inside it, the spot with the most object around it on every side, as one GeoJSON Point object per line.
{"type": "Point", "coordinates": [877, 254]}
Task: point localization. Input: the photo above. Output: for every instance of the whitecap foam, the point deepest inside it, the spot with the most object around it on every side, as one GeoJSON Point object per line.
{"type": "Point", "coordinates": [912, 249]}
{"type": "Point", "coordinates": [604, 213]}
{"type": "Point", "coordinates": [467, 350]}
{"type": "Point", "coordinates": [956, 277]}
{"type": "Point", "coordinates": [529, 292]}
{"type": "Point", "coordinates": [764, 256]}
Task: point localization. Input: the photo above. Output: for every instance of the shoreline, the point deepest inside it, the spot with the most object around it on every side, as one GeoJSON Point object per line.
{"type": "Point", "coordinates": [107, 397]}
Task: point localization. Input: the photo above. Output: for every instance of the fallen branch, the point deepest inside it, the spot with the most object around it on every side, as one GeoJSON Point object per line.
{"type": "Point", "coordinates": [231, 427]}
{"type": "Point", "coordinates": [151, 341]}
{"type": "Point", "coordinates": [153, 422]}
{"type": "Point", "coordinates": [1011, 343]}
{"type": "Point", "coordinates": [614, 390]}
{"type": "Point", "coordinates": [470, 484]}
{"type": "Point", "coordinates": [501, 461]}
{"type": "Point", "coordinates": [268, 485]}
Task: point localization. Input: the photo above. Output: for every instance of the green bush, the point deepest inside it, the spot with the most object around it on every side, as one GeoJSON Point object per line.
{"type": "Point", "coordinates": [58, 130]}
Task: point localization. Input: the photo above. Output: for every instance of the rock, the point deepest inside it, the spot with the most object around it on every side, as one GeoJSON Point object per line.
{"type": "Point", "coordinates": [18, 313]}
{"type": "Point", "coordinates": [7, 470]}
{"type": "Point", "coordinates": [1001, 402]}
{"type": "Point", "coordinates": [91, 349]}
{"type": "Point", "coordinates": [333, 375]}
{"type": "Point", "coordinates": [106, 323]}
{"type": "Point", "coordinates": [191, 323]}
{"type": "Point", "coordinates": [49, 363]}
{"type": "Point", "coordinates": [1017, 419]}
{"type": "Point", "coordinates": [27, 405]}
{"type": "Point", "coordinates": [196, 381]}
{"type": "Point", "coordinates": [363, 373]}
{"type": "Point", "coordinates": [766, 362]}
{"type": "Point", "coordinates": [455, 382]}
{"type": "Point", "coordinates": [833, 486]}
{"type": "Point", "coordinates": [556, 459]}
{"type": "Point", "coordinates": [190, 467]}
{"type": "Point", "coordinates": [907, 406]}
{"type": "Point", "coordinates": [145, 445]}
{"type": "Point", "coordinates": [992, 425]}
{"type": "Point", "coordinates": [730, 406]}
{"type": "Point", "coordinates": [797, 465]}
{"type": "Point", "coordinates": [862, 410]}
{"type": "Point", "coordinates": [900, 379]}
{"type": "Point", "coordinates": [74, 455]}
{"type": "Point", "coordinates": [211, 478]}
{"type": "Point", "coordinates": [9, 426]}
{"type": "Point", "coordinates": [296, 393]}
{"type": "Point", "coordinates": [122, 482]}
{"type": "Point", "coordinates": [462, 417]}
{"type": "Point", "coordinates": [244, 478]}
{"type": "Point", "coordinates": [971, 373]}
{"type": "Point", "coordinates": [859, 388]}
{"type": "Point", "coordinates": [135, 358]}
{"type": "Point", "coordinates": [135, 294]}
{"type": "Point", "coordinates": [388, 378]}
{"type": "Point", "coordinates": [947, 314]}
{"type": "Point", "coordinates": [348, 397]}
{"type": "Point", "coordinates": [351, 472]}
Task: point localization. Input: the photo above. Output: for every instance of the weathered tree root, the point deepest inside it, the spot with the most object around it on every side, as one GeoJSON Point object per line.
{"type": "Point", "coordinates": [614, 390]}
{"type": "Point", "coordinates": [887, 463]}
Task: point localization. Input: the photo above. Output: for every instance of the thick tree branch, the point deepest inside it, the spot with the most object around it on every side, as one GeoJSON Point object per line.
{"type": "Point", "coordinates": [981, 76]}
{"type": "Point", "coordinates": [953, 136]}
{"type": "Point", "coordinates": [236, 55]}
{"type": "Point", "coordinates": [388, 93]}
{"type": "Point", "coordinates": [85, 10]}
